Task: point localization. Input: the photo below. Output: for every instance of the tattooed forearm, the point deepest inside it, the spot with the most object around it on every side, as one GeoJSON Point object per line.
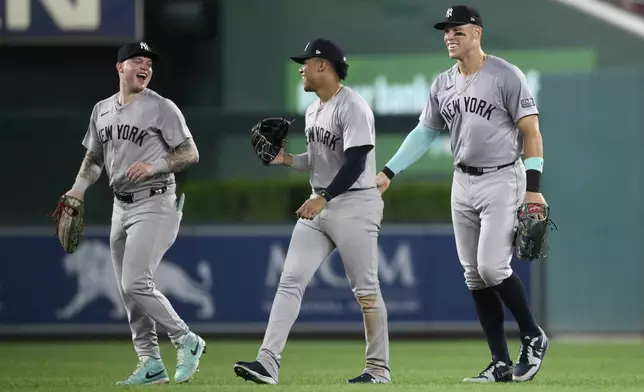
{"type": "Point", "coordinates": [91, 167]}
{"type": "Point", "coordinates": [182, 156]}
{"type": "Point", "coordinates": [89, 172]}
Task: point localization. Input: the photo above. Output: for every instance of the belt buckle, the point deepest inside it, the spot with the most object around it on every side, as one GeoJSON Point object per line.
{"type": "Point", "coordinates": [474, 171]}
{"type": "Point", "coordinates": [125, 197]}
{"type": "Point", "coordinates": [158, 191]}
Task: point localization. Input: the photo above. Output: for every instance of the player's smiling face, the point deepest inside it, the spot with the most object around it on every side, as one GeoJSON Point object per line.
{"type": "Point", "coordinates": [311, 72]}
{"type": "Point", "coordinates": [459, 40]}
{"type": "Point", "coordinates": [136, 73]}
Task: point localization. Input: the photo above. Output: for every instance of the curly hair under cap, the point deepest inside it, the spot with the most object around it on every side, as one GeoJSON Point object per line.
{"type": "Point", "coordinates": [342, 69]}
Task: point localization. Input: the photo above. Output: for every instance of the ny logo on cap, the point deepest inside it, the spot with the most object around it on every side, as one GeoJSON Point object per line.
{"type": "Point", "coordinates": [307, 46]}
{"type": "Point", "coordinates": [449, 13]}
{"type": "Point", "coordinates": [144, 46]}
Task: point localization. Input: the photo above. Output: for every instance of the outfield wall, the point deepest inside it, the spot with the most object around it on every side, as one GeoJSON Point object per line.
{"type": "Point", "coordinates": [222, 280]}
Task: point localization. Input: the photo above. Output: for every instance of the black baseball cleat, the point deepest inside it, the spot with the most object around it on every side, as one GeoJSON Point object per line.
{"type": "Point", "coordinates": [253, 371]}
{"type": "Point", "coordinates": [365, 378]}
{"type": "Point", "coordinates": [531, 354]}
{"type": "Point", "coordinates": [497, 371]}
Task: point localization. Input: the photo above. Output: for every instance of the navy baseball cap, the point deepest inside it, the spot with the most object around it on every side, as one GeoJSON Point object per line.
{"type": "Point", "coordinates": [460, 15]}
{"type": "Point", "coordinates": [322, 48]}
{"type": "Point", "coordinates": [134, 49]}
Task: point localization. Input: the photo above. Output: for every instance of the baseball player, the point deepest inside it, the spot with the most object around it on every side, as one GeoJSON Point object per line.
{"type": "Point", "coordinates": [344, 212]}
{"type": "Point", "coordinates": [141, 139]}
{"type": "Point", "coordinates": [487, 106]}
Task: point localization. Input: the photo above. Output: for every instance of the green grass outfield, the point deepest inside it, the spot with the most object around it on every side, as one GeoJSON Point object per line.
{"type": "Point", "coordinates": [320, 366]}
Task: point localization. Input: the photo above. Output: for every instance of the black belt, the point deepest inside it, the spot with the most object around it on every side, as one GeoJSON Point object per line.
{"type": "Point", "coordinates": [348, 190]}
{"type": "Point", "coordinates": [477, 171]}
{"type": "Point", "coordinates": [135, 196]}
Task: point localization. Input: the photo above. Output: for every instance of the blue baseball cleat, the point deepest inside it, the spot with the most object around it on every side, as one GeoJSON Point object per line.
{"type": "Point", "coordinates": [189, 350]}
{"type": "Point", "coordinates": [148, 371]}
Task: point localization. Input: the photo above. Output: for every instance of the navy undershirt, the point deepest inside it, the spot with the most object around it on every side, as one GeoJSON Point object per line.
{"type": "Point", "coordinates": [356, 158]}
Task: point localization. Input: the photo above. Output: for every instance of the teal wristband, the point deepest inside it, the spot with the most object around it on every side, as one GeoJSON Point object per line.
{"type": "Point", "coordinates": [534, 163]}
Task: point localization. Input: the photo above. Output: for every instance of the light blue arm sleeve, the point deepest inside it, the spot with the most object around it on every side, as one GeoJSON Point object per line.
{"type": "Point", "coordinates": [412, 148]}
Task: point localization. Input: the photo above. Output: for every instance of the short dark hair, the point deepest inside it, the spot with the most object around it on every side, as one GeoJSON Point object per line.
{"type": "Point", "coordinates": [342, 69]}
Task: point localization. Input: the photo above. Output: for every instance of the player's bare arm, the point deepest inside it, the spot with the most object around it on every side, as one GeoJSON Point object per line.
{"type": "Point", "coordinates": [182, 156]}
{"type": "Point", "coordinates": [179, 158]}
{"type": "Point", "coordinates": [91, 167]}
{"type": "Point", "coordinates": [533, 154]}
{"type": "Point", "coordinates": [88, 174]}
{"type": "Point", "coordinates": [532, 141]}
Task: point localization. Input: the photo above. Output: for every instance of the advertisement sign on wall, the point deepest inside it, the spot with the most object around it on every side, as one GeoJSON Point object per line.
{"type": "Point", "coordinates": [399, 84]}
{"type": "Point", "coordinates": [40, 22]}
{"type": "Point", "coordinates": [222, 282]}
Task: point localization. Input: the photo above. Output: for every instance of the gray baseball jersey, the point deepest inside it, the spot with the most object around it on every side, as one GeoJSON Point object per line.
{"type": "Point", "coordinates": [143, 130]}
{"type": "Point", "coordinates": [345, 121]}
{"type": "Point", "coordinates": [482, 118]}
{"type": "Point", "coordinates": [349, 223]}
{"type": "Point", "coordinates": [142, 231]}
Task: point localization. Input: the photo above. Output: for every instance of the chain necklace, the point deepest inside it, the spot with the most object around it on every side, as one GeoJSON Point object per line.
{"type": "Point", "coordinates": [470, 79]}
{"type": "Point", "coordinates": [334, 94]}
{"type": "Point", "coordinates": [322, 105]}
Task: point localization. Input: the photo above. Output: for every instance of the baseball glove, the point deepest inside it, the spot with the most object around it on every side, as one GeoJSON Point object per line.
{"type": "Point", "coordinates": [268, 137]}
{"type": "Point", "coordinates": [531, 232]}
{"type": "Point", "coordinates": [69, 227]}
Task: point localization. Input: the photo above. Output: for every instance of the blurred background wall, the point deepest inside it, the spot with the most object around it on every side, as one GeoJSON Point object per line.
{"type": "Point", "coordinates": [226, 66]}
